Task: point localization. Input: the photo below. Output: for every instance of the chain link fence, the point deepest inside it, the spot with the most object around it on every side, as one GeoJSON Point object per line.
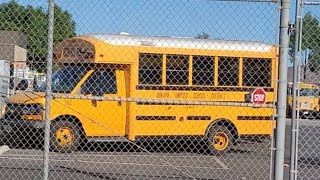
{"type": "Point", "coordinates": [160, 89]}
{"type": "Point", "coordinates": [306, 151]}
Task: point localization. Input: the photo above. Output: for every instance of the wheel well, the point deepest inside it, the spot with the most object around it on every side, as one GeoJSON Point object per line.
{"type": "Point", "coordinates": [224, 122]}
{"type": "Point", "coordinates": [72, 119]}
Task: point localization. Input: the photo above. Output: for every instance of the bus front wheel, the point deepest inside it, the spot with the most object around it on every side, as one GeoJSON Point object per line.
{"type": "Point", "coordinates": [219, 139]}
{"type": "Point", "coordinates": [65, 136]}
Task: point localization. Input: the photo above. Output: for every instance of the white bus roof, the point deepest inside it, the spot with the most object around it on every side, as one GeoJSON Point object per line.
{"type": "Point", "coordinates": [182, 42]}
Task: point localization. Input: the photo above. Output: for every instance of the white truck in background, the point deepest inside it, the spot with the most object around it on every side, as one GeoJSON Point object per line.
{"type": "Point", "coordinates": [4, 83]}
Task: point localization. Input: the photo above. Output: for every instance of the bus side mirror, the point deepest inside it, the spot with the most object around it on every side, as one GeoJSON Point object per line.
{"type": "Point", "coordinates": [22, 85]}
{"type": "Point", "coordinates": [35, 83]}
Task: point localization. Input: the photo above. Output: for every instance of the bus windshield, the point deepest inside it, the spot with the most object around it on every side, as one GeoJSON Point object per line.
{"type": "Point", "coordinates": [65, 79]}
{"type": "Point", "coordinates": [308, 92]}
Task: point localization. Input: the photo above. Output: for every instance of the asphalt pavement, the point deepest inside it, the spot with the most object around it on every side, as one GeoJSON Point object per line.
{"type": "Point", "coordinates": [175, 160]}
{"type": "Point", "coordinates": [308, 154]}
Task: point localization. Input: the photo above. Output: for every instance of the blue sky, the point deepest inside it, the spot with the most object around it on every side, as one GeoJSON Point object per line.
{"type": "Point", "coordinates": [174, 18]}
{"type": "Point", "coordinates": [221, 20]}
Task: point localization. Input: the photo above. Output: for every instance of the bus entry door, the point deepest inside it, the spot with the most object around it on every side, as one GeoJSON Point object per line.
{"type": "Point", "coordinates": [108, 114]}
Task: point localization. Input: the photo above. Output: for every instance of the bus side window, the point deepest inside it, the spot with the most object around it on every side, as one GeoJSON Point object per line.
{"type": "Point", "coordinates": [257, 72]}
{"type": "Point", "coordinates": [228, 70]}
{"type": "Point", "coordinates": [150, 68]}
{"type": "Point", "coordinates": [100, 82]}
{"type": "Point", "coordinates": [177, 69]}
{"type": "Point", "coordinates": [203, 70]}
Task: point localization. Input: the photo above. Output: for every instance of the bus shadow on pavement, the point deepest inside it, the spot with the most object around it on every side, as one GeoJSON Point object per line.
{"type": "Point", "coordinates": [168, 146]}
{"type": "Point", "coordinates": [155, 146]}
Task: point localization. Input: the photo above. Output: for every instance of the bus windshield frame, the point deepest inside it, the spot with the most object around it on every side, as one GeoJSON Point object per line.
{"type": "Point", "coordinates": [308, 92]}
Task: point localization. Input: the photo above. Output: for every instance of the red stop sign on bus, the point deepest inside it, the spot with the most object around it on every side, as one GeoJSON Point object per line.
{"type": "Point", "coordinates": [258, 96]}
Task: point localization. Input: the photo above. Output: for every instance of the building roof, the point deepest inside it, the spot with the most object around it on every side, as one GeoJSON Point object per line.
{"type": "Point", "coordinates": [13, 38]}
{"type": "Point", "coordinates": [13, 46]}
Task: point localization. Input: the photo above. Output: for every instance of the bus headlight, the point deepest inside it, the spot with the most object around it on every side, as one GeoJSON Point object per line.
{"type": "Point", "coordinates": [32, 109]}
{"type": "Point", "coordinates": [2, 110]}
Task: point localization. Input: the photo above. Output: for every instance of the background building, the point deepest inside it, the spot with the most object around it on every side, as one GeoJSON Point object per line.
{"type": "Point", "coordinates": [306, 75]}
{"type": "Point", "coordinates": [13, 63]}
{"type": "Point", "coordinates": [13, 46]}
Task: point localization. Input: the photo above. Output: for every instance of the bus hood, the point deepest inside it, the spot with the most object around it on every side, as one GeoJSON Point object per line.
{"type": "Point", "coordinates": [27, 97]}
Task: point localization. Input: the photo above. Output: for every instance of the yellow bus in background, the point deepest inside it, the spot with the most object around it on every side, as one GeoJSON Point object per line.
{"type": "Point", "coordinates": [103, 78]}
{"type": "Point", "coordinates": [307, 100]}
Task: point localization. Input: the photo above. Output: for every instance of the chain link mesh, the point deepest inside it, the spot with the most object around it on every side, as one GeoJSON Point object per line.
{"type": "Point", "coordinates": [141, 89]}
{"type": "Point", "coordinates": [307, 149]}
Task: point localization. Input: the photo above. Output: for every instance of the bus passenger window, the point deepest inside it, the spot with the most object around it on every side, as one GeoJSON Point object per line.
{"type": "Point", "coordinates": [256, 72]}
{"type": "Point", "coordinates": [203, 70]}
{"type": "Point", "coordinates": [228, 71]}
{"type": "Point", "coordinates": [100, 82]}
{"type": "Point", "coordinates": [150, 68]}
{"type": "Point", "coordinates": [177, 70]}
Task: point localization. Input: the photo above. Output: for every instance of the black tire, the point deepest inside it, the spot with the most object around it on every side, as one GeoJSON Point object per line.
{"type": "Point", "coordinates": [65, 136]}
{"type": "Point", "coordinates": [215, 145]}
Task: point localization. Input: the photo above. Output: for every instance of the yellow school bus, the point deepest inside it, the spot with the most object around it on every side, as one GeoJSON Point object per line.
{"type": "Point", "coordinates": [307, 100]}
{"type": "Point", "coordinates": [128, 87]}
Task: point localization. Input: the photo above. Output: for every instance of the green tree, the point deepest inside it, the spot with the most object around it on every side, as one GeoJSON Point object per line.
{"type": "Point", "coordinates": [33, 22]}
{"type": "Point", "coordinates": [310, 41]}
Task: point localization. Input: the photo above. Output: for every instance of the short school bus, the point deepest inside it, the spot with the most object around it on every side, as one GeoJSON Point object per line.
{"type": "Point", "coordinates": [99, 74]}
{"type": "Point", "coordinates": [307, 100]}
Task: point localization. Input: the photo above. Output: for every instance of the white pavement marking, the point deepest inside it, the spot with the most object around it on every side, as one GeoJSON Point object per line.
{"type": "Point", "coordinates": [220, 163]}
{"type": "Point", "coordinates": [118, 163]}
{"type": "Point", "coordinates": [4, 149]}
{"type": "Point", "coordinates": [24, 156]}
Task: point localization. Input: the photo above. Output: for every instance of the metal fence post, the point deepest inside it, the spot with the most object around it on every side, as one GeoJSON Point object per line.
{"type": "Point", "coordinates": [295, 113]}
{"type": "Point", "coordinates": [48, 90]}
{"type": "Point", "coordinates": [282, 91]}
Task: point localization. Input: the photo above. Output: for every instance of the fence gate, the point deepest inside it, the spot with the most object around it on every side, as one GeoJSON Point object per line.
{"type": "Point", "coordinates": [306, 151]}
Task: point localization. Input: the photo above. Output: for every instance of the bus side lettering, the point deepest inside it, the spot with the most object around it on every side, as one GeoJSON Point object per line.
{"type": "Point", "coordinates": [199, 95]}
{"type": "Point", "coordinates": [163, 95]}
{"type": "Point", "coordinates": [181, 95]}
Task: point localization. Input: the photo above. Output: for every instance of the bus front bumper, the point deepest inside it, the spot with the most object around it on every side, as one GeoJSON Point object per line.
{"type": "Point", "coordinates": [308, 113]}
{"type": "Point", "coordinates": [13, 125]}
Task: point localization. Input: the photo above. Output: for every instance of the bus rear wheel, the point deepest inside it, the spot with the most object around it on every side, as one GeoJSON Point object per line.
{"type": "Point", "coordinates": [219, 139]}
{"type": "Point", "coordinates": [65, 136]}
